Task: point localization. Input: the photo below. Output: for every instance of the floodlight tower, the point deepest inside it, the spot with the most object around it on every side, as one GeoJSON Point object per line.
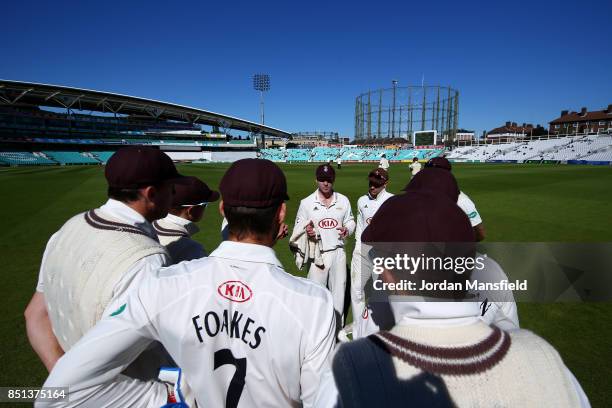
{"type": "Point", "coordinates": [394, 82]}
{"type": "Point", "coordinates": [261, 83]}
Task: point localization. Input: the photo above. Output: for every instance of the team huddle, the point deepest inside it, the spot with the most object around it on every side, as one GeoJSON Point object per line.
{"type": "Point", "coordinates": [131, 311]}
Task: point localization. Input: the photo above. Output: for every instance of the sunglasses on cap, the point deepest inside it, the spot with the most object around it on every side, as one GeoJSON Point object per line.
{"type": "Point", "coordinates": [202, 204]}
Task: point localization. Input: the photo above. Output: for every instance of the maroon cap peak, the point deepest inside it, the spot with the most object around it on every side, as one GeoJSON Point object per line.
{"type": "Point", "coordinates": [139, 166]}
{"type": "Point", "coordinates": [193, 191]}
{"type": "Point", "coordinates": [325, 172]}
{"type": "Point", "coordinates": [439, 162]}
{"type": "Point", "coordinates": [435, 180]}
{"type": "Point", "coordinates": [419, 216]}
{"type": "Point", "coordinates": [379, 175]}
{"type": "Point", "coordinates": [255, 183]}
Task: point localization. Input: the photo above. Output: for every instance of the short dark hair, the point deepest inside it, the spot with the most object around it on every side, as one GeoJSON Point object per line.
{"type": "Point", "coordinates": [243, 221]}
{"type": "Point", "coordinates": [125, 195]}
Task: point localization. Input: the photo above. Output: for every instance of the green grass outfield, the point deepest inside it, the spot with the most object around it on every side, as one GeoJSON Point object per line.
{"type": "Point", "coordinates": [517, 203]}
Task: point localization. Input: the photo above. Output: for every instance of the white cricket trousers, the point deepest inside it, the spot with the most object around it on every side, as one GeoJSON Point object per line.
{"type": "Point", "coordinates": [358, 282]}
{"type": "Point", "coordinates": [333, 277]}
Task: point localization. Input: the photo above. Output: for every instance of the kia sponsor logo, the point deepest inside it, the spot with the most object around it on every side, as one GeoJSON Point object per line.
{"type": "Point", "coordinates": [369, 220]}
{"type": "Point", "coordinates": [235, 291]}
{"type": "Point", "coordinates": [328, 223]}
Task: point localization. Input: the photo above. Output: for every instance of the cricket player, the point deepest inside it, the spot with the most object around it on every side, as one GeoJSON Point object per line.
{"type": "Point", "coordinates": [466, 204]}
{"type": "Point", "coordinates": [339, 162]}
{"type": "Point", "coordinates": [439, 353]}
{"type": "Point", "coordinates": [175, 231]}
{"type": "Point", "coordinates": [384, 162]}
{"type": "Point", "coordinates": [415, 166]}
{"type": "Point", "coordinates": [500, 311]}
{"type": "Point", "coordinates": [367, 205]}
{"type": "Point", "coordinates": [244, 332]}
{"type": "Point", "coordinates": [97, 255]}
{"type": "Point", "coordinates": [331, 222]}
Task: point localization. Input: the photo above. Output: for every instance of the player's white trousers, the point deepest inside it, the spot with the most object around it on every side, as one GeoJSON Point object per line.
{"type": "Point", "coordinates": [333, 277]}
{"type": "Point", "coordinates": [358, 281]}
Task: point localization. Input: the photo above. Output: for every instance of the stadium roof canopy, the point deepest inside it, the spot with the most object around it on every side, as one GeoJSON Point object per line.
{"type": "Point", "coordinates": [16, 92]}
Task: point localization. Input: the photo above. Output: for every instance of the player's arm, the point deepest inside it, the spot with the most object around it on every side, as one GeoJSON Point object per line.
{"type": "Point", "coordinates": [318, 352]}
{"type": "Point", "coordinates": [39, 331]}
{"type": "Point", "coordinates": [91, 369]}
{"type": "Point", "coordinates": [38, 325]}
{"type": "Point", "coordinates": [468, 206]}
{"type": "Point", "coordinates": [302, 218]}
{"type": "Point", "coordinates": [349, 221]}
{"type": "Point", "coordinates": [360, 220]}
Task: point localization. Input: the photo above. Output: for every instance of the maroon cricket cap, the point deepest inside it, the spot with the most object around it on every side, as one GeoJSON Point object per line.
{"type": "Point", "coordinates": [325, 172]}
{"type": "Point", "coordinates": [378, 177]}
{"type": "Point", "coordinates": [139, 166]}
{"type": "Point", "coordinates": [435, 180]}
{"type": "Point", "coordinates": [419, 216]}
{"type": "Point", "coordinates": [193, 191]}
{"type": "Point", "coordinates": [255, 183]}
{"type": "Point", "coordinates": [440, 162]}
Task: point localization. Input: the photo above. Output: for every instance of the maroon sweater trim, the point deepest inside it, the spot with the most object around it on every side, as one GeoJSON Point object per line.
{"type": "Point", "coordinates": [167, 232]}
{"type": "Point", "coordinates": [98, 222]}
{"type": "Point", "coordinates": [446, 352]}
{"type": "Point", "coordinates": [481, 364]}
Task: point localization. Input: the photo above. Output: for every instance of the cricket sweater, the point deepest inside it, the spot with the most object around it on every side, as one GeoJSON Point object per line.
{"type": "Point", "coordinates": [470, 365]}
{"type": "Point", "coordinates": [83, 264]}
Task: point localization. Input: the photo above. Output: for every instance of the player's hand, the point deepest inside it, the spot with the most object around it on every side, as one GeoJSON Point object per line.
{"type": "Point", "coordinates": [310, 231]}
{"type": "Point", "coordinates": [180, 394]}
{"type": "Point", "coordinates": [283, 231]}
{"type": "Point", "coordinates": [342, 231]}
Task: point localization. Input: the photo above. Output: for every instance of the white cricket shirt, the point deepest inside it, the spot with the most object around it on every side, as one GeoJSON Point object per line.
{"type": "Point", "coordinates": [415, 167]}
{"type": "Point", "coordinates": [240, 327]}
{"type": "Point", "coordinates": [384, 163]}
{"type": "Point", "coordinates": [366, 208]}
{"type": "Point", "coordinates": [326, 220]}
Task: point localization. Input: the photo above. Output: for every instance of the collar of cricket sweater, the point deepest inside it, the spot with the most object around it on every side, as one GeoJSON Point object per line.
{"type": "Point", "coordinates": [189, 226]}
{"type": "Point", "coordinates": [416, 311]}
{"type": "Point", "coordinates": [443, 338]}
{"type": "Point", "coordinates": [125, 213]}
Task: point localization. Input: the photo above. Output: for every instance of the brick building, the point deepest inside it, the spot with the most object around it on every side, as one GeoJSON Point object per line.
{"type": "Point", "coordinates": [583, 122]}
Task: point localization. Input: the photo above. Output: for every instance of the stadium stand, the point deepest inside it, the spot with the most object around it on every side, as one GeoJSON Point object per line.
{"type": "Point", "coordinates": [69, 157]}
{"type": "Point", "coordinates": [25, 159]}
{"type": "Point", "coordinates": [102, 156]}
{"type": "Point", "coordinates": [190, 156]}
{"type": "Point", "coordinates": [230, 157]}
{"type": "Point", "coordinates": [347, 154]}
{"type": "Point", "coordinates": [584, 148]}
{"type": "Point", "coordinates": [298, 155]}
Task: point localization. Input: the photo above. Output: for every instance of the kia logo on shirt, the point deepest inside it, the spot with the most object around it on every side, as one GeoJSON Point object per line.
{"type": "Point", "coordinates": [328, 223]}
{"type": "Point", "coordinates": [369, 220]}
{"type": "Point", "coordinates": [235, 291]}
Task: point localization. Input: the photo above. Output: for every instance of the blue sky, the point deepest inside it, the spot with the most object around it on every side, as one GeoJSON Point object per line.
{"type": "Point", "coordinates": [518, 61]}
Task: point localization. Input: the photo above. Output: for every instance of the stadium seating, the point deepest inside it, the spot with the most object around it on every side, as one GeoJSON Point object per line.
{"type": "Point", "coordinates": [347, 154]}
{"type": "Point", "coordinates": [298, 155]}
{"type": "Point", "coordinates": [103, 156]}
{"type": "Point", "coordinates": [558, 149]}
{"type": "Point", "coordinates": [70, 157]}
{"type": "Point", "coordinates": [25, 159]}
